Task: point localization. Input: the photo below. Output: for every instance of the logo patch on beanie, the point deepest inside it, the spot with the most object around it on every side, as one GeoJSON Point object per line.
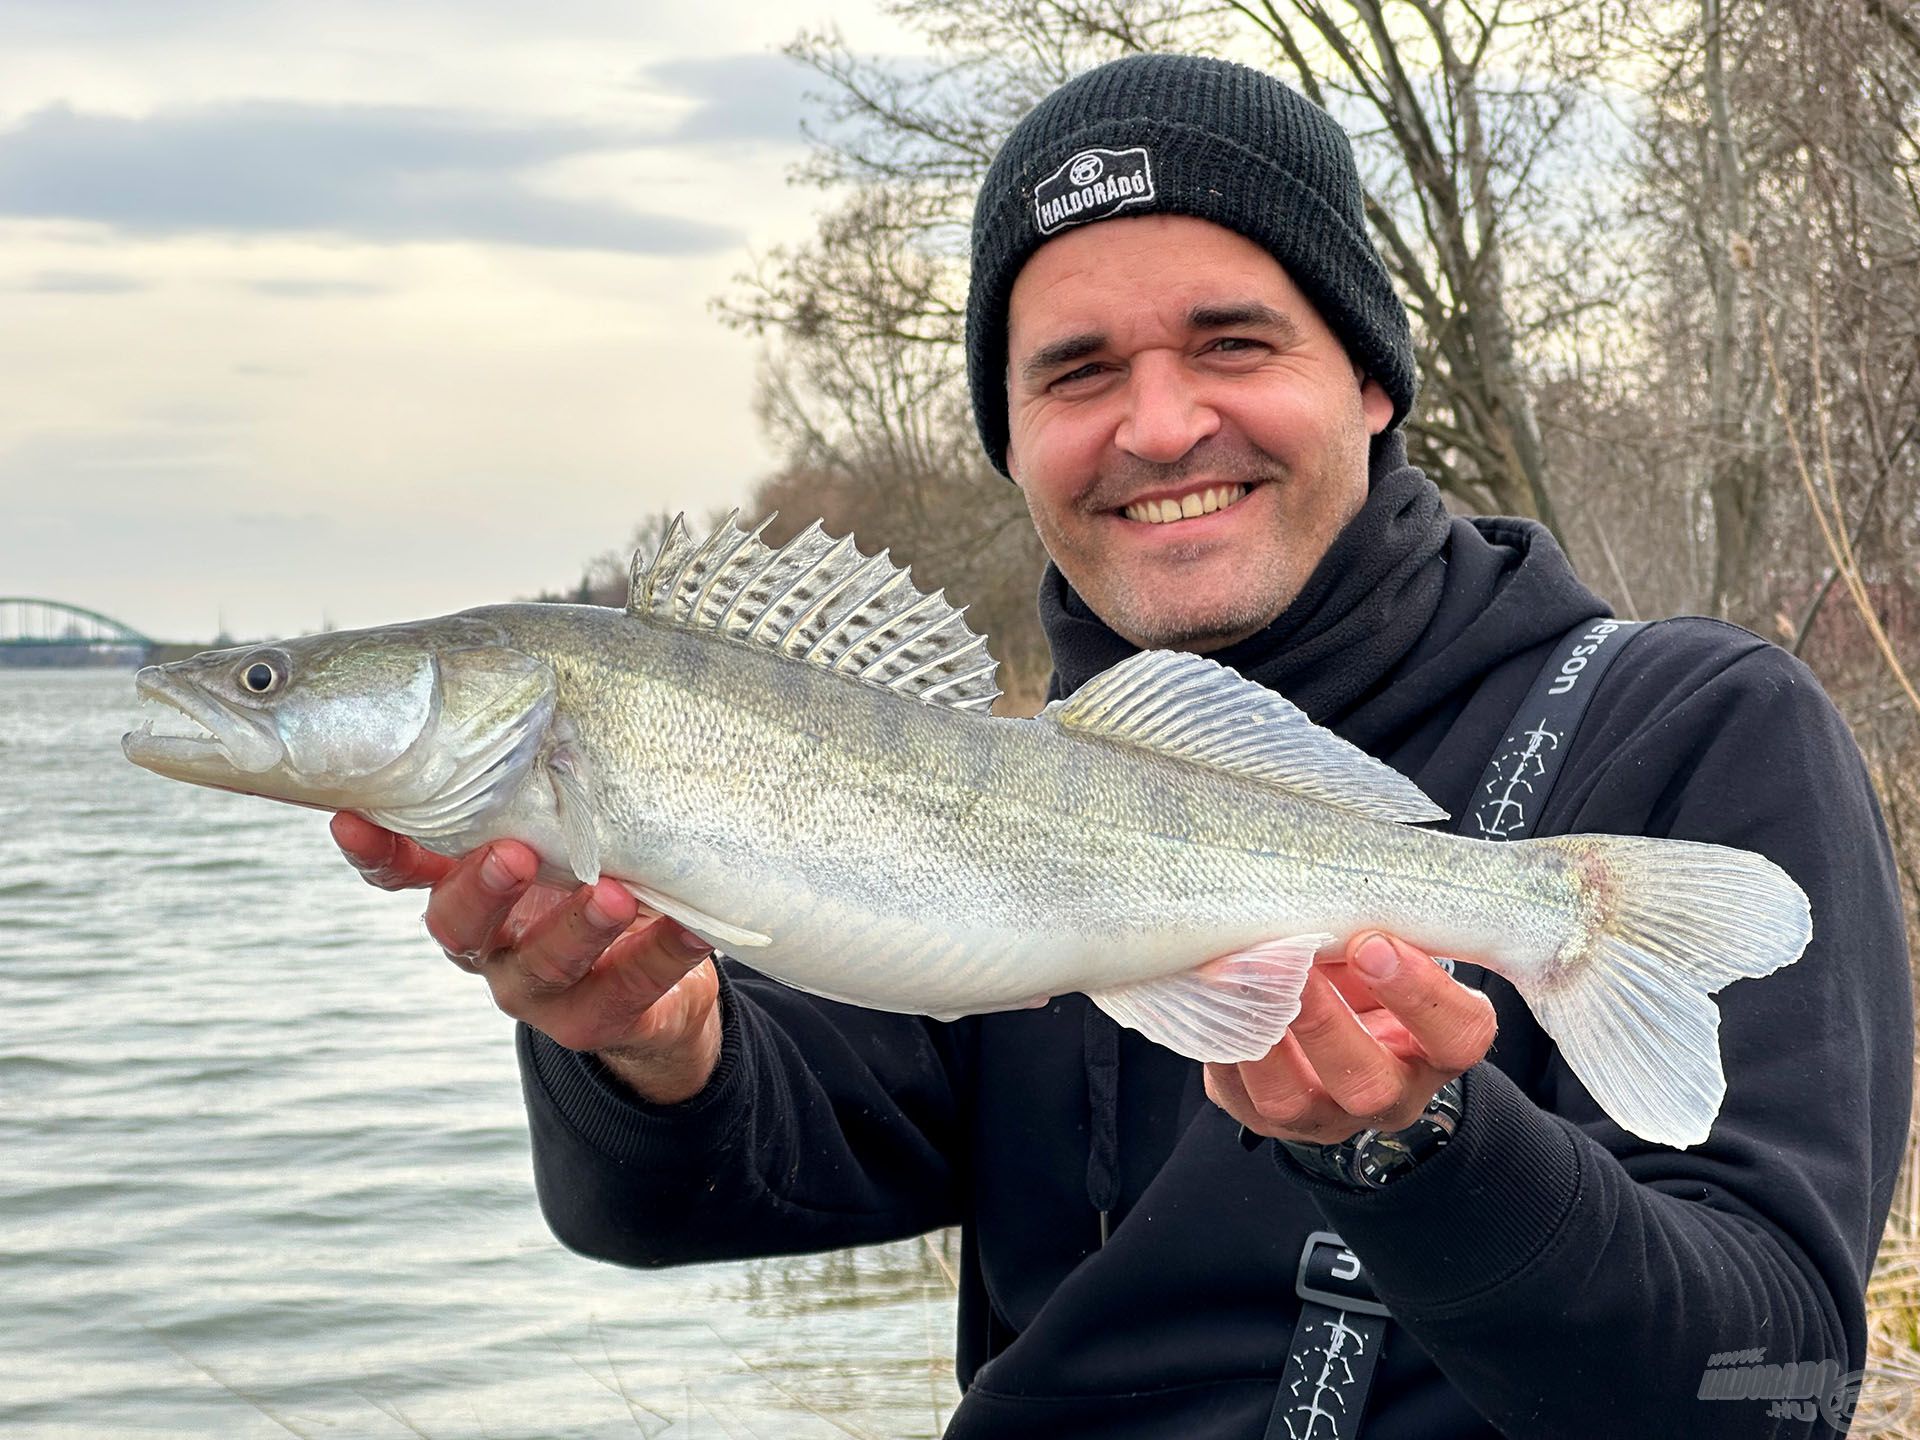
{"type": "Point", "coordinates": [1091, 186]}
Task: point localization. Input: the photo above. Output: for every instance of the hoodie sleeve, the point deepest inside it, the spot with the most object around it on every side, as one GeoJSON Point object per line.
{"type": "Point", "coordinates": [1574, 1280]}
{"type": "Point", "coordinates": [823, 1126]}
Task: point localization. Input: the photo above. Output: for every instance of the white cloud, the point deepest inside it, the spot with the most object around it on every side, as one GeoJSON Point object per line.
{"type": "Point", "coordinates": [751, 97]}
{"type": "Point", "coordinates": [387, 173]}
{"type": "Point", "coordinates": [379, 318]}
{"type": "Point", "coordinates": [82, 282]}
{"type": "Point", "coordinates": [298, 287]}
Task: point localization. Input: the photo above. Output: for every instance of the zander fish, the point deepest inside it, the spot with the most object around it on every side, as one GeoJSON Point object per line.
{"type": "Point", "coordinates": [789, 752]}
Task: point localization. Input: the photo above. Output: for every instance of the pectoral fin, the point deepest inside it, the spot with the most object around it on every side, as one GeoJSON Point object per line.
{"type": "Point", "coordinates": [708, 927]}
{"type": "Point", "coordinates": [573, 799]}
{"type": "Point", "coordinates": [1232, 1008]}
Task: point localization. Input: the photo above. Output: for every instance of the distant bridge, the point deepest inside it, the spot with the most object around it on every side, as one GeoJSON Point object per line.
{"type": "Point", "coordinates": [48, 632]}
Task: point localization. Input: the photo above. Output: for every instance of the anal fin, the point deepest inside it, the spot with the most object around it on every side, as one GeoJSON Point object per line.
{"type": "Point", "coordinates": [1232, 1008]}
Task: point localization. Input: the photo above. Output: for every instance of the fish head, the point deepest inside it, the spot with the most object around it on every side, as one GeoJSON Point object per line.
{"type": "Point", "coordinates": [424, 721]}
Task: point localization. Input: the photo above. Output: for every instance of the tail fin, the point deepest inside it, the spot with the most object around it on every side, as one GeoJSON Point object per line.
{"type": "Point", "coordinates": [1628, 1007]}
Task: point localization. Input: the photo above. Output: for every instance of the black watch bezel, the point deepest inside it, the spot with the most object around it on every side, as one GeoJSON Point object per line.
{"type": "Point", "coordinates": [1374, 1159]}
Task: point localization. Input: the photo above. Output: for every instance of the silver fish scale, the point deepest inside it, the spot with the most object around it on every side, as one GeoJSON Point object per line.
{"type": "Point", "coordinates": [755, 746]}
{"type": "Point", "coordinates": [859, 829]}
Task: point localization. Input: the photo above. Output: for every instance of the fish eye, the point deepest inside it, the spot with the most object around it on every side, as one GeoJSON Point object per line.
{"type": "Point", "coordinates": [261, 678]}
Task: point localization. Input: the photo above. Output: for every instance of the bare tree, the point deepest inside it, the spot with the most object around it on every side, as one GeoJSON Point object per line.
{"type": "Point", "coordinates": [876, 429]}
{"type": "Point", "coordinates": [1776, 193]}
{"type": "Point", "coordinates": [1733, 480]}
{"type": "Point", "coordinates": [1458, 112]}
{"type": "Point", "coordinates": [1560, 187]}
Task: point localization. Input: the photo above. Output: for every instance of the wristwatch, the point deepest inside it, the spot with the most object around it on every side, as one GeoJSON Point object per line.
{"type": "Point", "coordinates": [1374, 1159]}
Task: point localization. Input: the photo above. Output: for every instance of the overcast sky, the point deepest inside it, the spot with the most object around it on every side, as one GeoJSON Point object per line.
{"type": "Point", "coordinates": [366, 311]}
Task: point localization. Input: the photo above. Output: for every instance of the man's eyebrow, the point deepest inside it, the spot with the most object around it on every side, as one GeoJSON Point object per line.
{"type": "Point", "coordinates": [1243, 314]}
{"type": "Point", "coordinates": [1209, 315]}
{"type": "Point", "coordinates": [1062, 352]}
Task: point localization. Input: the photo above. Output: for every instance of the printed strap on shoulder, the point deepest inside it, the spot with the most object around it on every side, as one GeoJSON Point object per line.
{"type": "Point", "coordinates": [1342, 1326]}
{"type": "Point", "coordinates": [1336, 1345]}
{"type": "Point", "coordinates": [1514, 788]}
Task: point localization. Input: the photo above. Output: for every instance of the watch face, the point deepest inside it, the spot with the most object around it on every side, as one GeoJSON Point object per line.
{"type": "Point", "coordinates": [1386, 1158]}
{"type": "Point", "coordinates": [1381, 1158]}
{"type": "Point", "coordinates": [1391, 1156]}
{"type": "Point", "coordinates": [1373, 1159]}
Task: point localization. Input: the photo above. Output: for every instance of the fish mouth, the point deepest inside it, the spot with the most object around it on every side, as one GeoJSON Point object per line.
{"type": "Point", "coordinates": [201, 736]}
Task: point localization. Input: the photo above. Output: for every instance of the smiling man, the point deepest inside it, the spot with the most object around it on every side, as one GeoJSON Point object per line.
{"type": "Point", "coordinates": [1186, 352]}
{"type": "Point", "coordinates": [1189, 434]}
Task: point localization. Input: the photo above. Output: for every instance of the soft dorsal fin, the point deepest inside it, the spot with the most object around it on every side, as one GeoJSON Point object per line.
{"type": "Point", "coordinates": [1194, 708]}
{"type": "Point", "coordinates": [820, 600]}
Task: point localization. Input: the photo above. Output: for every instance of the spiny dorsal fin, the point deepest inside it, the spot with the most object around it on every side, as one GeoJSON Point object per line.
{"type": "Point", "coordinates": [817, 599]}
{"type": "Point", "coordinates": [1194, 708]}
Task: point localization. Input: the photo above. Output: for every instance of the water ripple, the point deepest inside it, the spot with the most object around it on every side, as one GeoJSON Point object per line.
{"type": "Point", "coordinates": [265, 1156]}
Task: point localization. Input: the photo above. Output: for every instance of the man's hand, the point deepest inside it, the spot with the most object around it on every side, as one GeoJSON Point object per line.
{"type": "Point", "coordinates": [586, 967]}
{"type": "Point", "coordinates": [1379, 1032]}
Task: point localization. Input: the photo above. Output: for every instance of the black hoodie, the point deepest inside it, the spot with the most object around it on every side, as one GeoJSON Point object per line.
{"type": "Point", "coordinates": [1549, 1274]}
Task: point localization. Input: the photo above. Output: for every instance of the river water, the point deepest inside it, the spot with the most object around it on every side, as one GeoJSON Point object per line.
{"type": "Point", "coordinates": [264, 1167]}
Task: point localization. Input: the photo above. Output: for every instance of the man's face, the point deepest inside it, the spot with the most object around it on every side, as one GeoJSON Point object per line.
{"type": "Point", "coordinates": [1161, 364]}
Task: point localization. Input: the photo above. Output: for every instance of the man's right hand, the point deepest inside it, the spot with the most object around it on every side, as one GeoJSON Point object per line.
{"type": "Point", "coordinates": [588, 967]}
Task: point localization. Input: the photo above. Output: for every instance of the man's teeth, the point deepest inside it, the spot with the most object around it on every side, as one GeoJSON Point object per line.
{"type": "Point", "coordinates": [1200, 502]}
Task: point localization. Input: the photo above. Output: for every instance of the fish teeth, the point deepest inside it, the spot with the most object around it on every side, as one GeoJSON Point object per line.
{"type": "Point", "coordinates": [1188, 506]}
{"type": "Point", "coordinates": [173, 724]}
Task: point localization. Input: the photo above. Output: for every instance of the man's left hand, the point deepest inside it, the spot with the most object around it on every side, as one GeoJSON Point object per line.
{"type": "Point", "coordinates": [1380, 1030]}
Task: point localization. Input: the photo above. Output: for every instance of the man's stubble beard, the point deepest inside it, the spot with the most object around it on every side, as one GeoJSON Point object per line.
{"type": "Point", "coordinates": [1249, 609]}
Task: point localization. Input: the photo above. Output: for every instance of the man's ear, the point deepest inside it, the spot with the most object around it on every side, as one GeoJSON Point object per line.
{"type": "Point", "coordinates": [1376, 405]}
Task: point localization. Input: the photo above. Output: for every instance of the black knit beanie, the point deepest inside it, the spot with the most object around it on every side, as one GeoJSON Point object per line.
{"type": "Point", "coordinates": [1179, 135]}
